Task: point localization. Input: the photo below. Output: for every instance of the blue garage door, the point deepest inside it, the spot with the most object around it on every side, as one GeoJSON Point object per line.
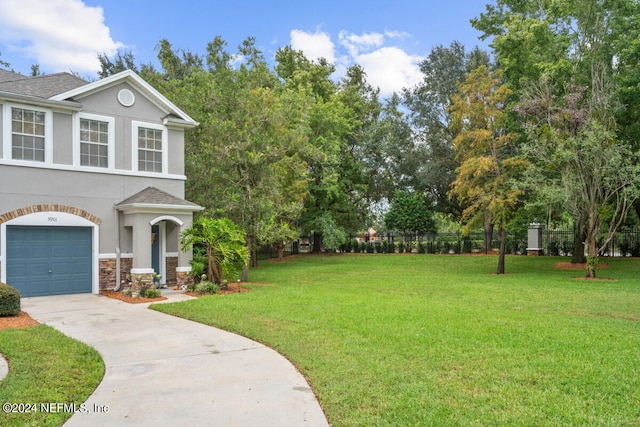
{"type": "Point", "coordinates": [49, 260]}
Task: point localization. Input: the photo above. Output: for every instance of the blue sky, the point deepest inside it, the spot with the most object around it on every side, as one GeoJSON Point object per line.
{"type": "Point", "coordinates": [388, 38]}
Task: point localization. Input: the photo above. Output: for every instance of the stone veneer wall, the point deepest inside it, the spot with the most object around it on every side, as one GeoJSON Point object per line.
{"type": "Point", "coordinates": [183, 278]}
{"type": "Point", "coordinates": [172, 264]}
{"type": "Point", "coordinates": [107, 273]}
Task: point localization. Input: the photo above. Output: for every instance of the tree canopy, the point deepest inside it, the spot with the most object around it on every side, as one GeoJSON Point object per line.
{"type": "Point", "coordinates": [292, 150]}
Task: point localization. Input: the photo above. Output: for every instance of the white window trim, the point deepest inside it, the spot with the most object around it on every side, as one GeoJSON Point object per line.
{"type": "Point", "coordinates": [111, 151]}
{"type": "Point", "coordinates": [134, 146]}
{"type": "Point", "coordinates": [7, 134]}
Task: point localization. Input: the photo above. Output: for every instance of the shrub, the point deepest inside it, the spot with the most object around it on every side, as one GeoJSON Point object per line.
{"type": "Point", "coordinates": [152, 293]}
{"type": "Point", "coordinates": [206, 287]}
{"type": "Point", "coordinates": [553, 248]}
{"type": "Point", "coordinates": [9, 300]}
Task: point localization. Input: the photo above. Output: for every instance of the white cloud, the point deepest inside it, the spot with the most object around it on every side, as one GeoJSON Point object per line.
{"type": "Point", "coordinates": [314, 45]}
{"type": "Point", "coordinates": [388, 67]}
{"type": "Point", "coordinates": [391, 69]}
{"type": "Point", "coordinates": [355, 43]}
{"type": "Point", "coordinates": [59, 35]}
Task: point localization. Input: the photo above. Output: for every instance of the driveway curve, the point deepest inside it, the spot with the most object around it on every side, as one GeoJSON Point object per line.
{"type": "Point", "coordinates": [163, 370]}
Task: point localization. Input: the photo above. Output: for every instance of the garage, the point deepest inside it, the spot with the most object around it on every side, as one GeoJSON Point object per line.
{"type": "Point", "coordinates": [45, 260]}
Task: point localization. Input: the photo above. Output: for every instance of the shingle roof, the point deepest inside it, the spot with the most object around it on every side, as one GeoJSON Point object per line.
{"type": "Point", "coordinates": [153, 196]}
{"type": "Point", "coordinates": [9, 76]}
{"type": "Point", "coordinates": [44, 86]}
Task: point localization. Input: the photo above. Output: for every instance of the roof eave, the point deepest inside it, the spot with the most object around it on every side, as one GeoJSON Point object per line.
{"type": "Point", "coordinates": [179, 123]}
{"type": "Point", "coordinates": [40, 102]}
{"type": "Point", "coordinates": [157, 208]}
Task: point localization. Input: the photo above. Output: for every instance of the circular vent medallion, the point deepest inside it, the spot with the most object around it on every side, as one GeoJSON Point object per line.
{"type": "Point", "coordinates": [126, 97]}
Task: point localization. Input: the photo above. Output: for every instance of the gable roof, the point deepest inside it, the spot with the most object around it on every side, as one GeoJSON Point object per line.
{"type": "Point", "coordinates": [174, 115]}
{"type": "Point", "coordinates": [45, 86]}
{"type": "Point", "coordinates": [153, 198]}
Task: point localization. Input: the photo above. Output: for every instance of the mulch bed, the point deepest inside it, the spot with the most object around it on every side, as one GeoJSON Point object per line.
{"type": "Point", "coordinates": [232, 288]}
{"type": "Point", "coordinates": [570, 266]}
{"type": "Point", "coordinates": [23, 320]}
{"type": "Point", "coordinates": [122, 297]}
{"type": "Point", "coordinates": [583, 267]}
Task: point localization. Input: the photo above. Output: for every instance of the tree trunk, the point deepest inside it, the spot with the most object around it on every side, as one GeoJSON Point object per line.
{"type": "Point", "coordinates": [592, 255]}
{"type": "Point", "coordinates": [503, 243]}
{"type": "Point", "coordinates": [280, 252]}
{"type": "Point", "coordinates": [317, 242]}
{"type": "Point", "coordinates": [214, 271]}
{"type": "Point", "coordinates": [488, 233]}
{"type": "Point", "coordinates": [579, 238]}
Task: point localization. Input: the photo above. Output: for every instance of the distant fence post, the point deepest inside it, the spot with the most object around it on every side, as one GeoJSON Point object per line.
{"type": "Point", "coordinates": [534, 240]}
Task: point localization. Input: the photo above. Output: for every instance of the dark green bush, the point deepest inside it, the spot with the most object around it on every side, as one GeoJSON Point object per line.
{"type": "Point", "coordinates": [9, 301]}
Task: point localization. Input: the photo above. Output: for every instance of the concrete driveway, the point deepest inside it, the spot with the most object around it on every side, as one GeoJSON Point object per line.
{"type": "Point", "coordinates": [166, 371]}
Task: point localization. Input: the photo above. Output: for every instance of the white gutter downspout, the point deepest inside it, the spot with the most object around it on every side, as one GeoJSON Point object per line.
{"type": "Point", "coordinates": [117, 241]}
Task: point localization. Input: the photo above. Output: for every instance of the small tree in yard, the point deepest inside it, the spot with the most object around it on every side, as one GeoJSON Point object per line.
{"type": "Point", "coordinates": [225, 246]}
{"type": "Point", "coordinates": [489, 164]}
{"type": "Point", "coordinates": [410, 215]}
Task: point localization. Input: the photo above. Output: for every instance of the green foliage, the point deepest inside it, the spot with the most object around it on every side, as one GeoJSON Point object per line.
{"type": "Point", "coordinates": [199, 262]}
{"type": "Point", "coordinates": [430, 137]}
{"type": "Point", "coordinates": [489, 163]}
{"type": "Point", "coordinates": [205, 288]}
{"type": "Point", "coordinates": [150, 292]}
{"type": "Point", "coordinates": [410, 215]}
{"type": "Point", "coordinates": [225, 246]}
{"type": "Point", "coordinates": [573, 68]}
{"type": "Point", "coordinates": [9, 300]}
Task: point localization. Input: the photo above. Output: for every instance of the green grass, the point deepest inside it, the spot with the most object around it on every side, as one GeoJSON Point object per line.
{"type": "Point", "coordinates": [440, 340]}
{"type": "Point", "coordinates": [46, 366]}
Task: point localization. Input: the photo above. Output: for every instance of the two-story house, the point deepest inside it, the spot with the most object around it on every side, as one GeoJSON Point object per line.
{"type": "Point", "coordinates": [91, 184]}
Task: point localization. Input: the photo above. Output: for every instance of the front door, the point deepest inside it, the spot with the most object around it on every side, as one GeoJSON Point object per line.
{"type": "Point", "coordinates": [155, 250]}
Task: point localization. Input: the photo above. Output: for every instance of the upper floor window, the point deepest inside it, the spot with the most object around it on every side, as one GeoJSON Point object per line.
{"type": "Point", "coordinates": [94, 143]}
{"type": "Point", "coordinates": [150, 143]}
{"type": "Point", "coordinates": [28, 134]}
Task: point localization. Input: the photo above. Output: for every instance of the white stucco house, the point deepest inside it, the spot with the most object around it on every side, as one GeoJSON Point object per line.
{"type": "Point", "coordinates": [91, 183]}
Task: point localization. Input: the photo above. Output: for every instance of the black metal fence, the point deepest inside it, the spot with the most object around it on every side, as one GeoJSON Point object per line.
{"type": "Point", "coordinates": [625, 242]}
{"type": "Point", "coordinates": [439, 243]}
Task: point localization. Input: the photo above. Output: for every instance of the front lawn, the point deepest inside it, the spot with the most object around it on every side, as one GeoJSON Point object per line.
{"type": "Point", "coordinates": [441, 340]}
{"type": "Point", "coordinates": [45, 367]}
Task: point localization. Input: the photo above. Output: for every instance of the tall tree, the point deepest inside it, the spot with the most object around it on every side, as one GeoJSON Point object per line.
{"type": "Point", "coordinates": [486, 152]}
{"type": "Point", "coordinates": [573, 44]}
{"type": "Point", "coordinates": [340, 120]}
{"type": "Point", "coordinates": [429, 165]}
{"type": "Point", "coordinates": [245, 160]}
